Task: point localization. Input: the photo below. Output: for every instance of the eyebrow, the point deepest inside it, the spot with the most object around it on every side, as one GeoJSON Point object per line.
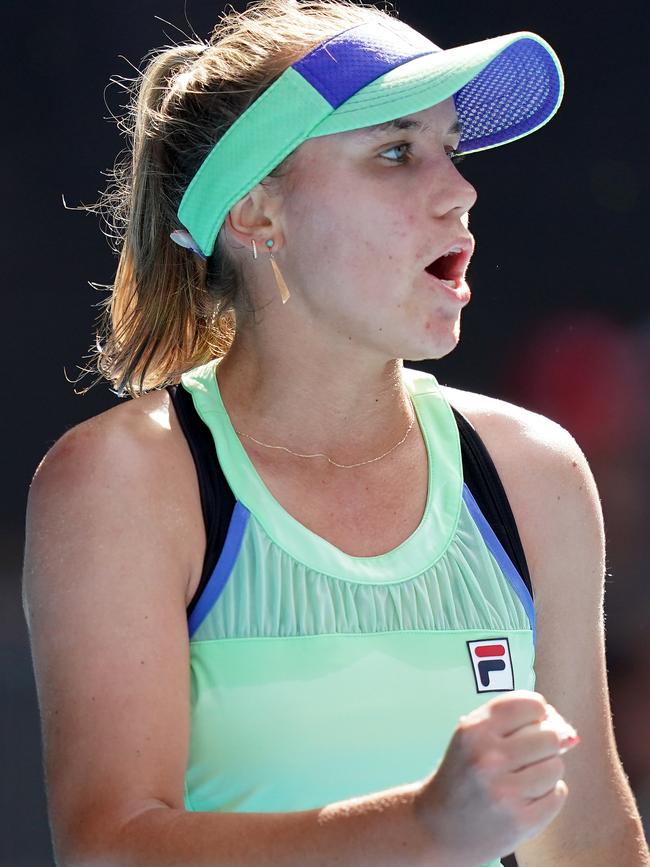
{"type": "Point", "coordinates": [401, 123]}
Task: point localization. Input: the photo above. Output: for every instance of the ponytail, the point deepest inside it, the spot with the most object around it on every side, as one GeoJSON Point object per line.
{"type": "Point", "coordinates": [170, 310]}
{"type": "Point", "coordinates": [160, 319]}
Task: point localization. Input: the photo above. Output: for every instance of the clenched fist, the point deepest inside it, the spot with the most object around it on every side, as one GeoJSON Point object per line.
{"type": "Point", "coordinates": [500, 780]}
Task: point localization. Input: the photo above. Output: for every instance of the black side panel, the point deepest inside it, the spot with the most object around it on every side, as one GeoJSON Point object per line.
{"type": "Point", "coordinates": [217, 500]}
{"type": "Point", "coordinates": [483, 480]}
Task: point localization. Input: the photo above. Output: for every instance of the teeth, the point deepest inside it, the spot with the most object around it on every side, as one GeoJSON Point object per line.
{"type": "Point", "coordinates": [453, 250]}
{"type": "Point", "coordinates": [450, 283]}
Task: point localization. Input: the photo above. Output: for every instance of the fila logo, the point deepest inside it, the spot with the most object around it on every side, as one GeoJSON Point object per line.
{"type": "Point", "coordinates": [492, 664]}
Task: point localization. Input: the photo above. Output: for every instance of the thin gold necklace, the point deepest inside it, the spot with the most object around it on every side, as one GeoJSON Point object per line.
{"type": "Point", "coordinates": [321, 455]}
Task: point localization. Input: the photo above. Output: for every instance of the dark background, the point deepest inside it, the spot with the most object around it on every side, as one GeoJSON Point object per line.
{"type": "Point", "coordinates": [559, 321]}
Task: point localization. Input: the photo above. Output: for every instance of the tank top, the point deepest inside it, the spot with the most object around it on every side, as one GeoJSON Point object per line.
{"type": "Point", "coordinates": [319, 676]}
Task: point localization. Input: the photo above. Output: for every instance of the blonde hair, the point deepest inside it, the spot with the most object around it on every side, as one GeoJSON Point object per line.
{"type": "Point", "coordinates": [169, 310]}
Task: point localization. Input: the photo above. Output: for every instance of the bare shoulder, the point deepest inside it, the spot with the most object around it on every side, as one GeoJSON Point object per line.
{"type": "Point", "coordinates": [142, 427]}
{"type": "Point", "coordinates": [503, 425]}
{"type": "Point", "coordinates": [132, 457]}
{"type": "Point", "coordinates": [544, 472]}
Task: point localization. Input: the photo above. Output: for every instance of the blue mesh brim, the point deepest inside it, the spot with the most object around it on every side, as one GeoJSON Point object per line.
{"type": "Point", "coordinates": [503, 88]}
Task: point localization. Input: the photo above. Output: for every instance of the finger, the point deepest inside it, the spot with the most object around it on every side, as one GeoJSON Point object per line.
{"type": "Point", "coordinates": [543, 810]}
{"type": "Point", "coordinates": [517, 708]}
{"type": "Point", "coordinates": [556, 721]}
{"type": "Point", "coordinates": [530, 744]}
{"type": "Point", "coordinates": [520, 708]}
{"type": "Point", "coordinates": [536, 780]}
{"type": "Point", "coordinates": [534, 743]}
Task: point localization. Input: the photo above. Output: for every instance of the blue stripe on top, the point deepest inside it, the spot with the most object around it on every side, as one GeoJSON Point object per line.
{"type": "Point", "coordinates": [498, 552]}
{"type": "Point", "coordinates": [362, 53]}
{"type": "Point", "coordinates": [222, 570]}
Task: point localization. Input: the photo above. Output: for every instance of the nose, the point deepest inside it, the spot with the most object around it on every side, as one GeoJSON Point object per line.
{"type": "Point", "coordinates": [469, 193]}
{"type": "Point", "coordinates": [453, 192]}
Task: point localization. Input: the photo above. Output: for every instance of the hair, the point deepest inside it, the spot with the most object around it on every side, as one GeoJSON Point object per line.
{"type": "Point", "coordinates": [169, 310]}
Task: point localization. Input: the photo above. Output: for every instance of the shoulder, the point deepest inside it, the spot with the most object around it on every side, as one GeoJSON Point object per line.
{"type": "Point", "coordinates": [126, 440]}
{"type": "Point", "coordinates": [131, 459]}
{"type": "Point", "coordinates": [546, 477]}
{"type": "Point", "coordinates": [503, 425]}
{"type": "Point", "coordinates": [522, 443]}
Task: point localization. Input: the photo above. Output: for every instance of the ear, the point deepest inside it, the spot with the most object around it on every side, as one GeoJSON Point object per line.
{"type": "Point", "coordinates": [254, 216]}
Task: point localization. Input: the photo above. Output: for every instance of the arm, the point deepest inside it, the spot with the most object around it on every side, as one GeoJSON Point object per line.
{"type": "Point", "coordinates": [556, 504]}
{"type": "Point", "coordinates": [110, 547]}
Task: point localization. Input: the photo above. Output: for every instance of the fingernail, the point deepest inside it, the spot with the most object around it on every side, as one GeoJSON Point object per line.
{"type": "Point", "coordinates": [569, 744]}
{"type": "Point", "coordinates": [567, 732]}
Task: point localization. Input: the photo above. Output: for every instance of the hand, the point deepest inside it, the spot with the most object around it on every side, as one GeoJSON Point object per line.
{"type": "Point", "coordinates": [500, 780]}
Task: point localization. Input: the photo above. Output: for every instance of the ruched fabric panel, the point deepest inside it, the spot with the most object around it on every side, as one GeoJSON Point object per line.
{"type": "Point", "coordinates": [270, 594]}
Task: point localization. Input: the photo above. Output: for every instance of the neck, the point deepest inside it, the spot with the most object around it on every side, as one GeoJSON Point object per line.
{"type": "Point", "coordinates": [351, 409]}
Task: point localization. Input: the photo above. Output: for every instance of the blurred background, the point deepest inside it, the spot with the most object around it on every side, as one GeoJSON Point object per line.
{"type": "Point", "coordinates": [559, 321]}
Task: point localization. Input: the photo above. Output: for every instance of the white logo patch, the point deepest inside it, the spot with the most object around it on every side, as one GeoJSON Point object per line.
{"type": "Point", "coordinates": [492, 664]}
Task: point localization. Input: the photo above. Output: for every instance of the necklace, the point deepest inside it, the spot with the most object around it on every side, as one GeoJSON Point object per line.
{"type": "Point", "coordinates": [321, 455]}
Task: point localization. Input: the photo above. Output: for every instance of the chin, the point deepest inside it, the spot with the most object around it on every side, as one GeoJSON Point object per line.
{"type": "Point", "coordinates": [441, 341]}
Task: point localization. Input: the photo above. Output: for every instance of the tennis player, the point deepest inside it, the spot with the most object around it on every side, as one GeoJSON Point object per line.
{"type": "Point", "coordinates": [295, 603]}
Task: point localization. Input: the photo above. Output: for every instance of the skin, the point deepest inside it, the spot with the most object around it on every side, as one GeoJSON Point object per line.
{"type": "Point", "coordinates": [321, 373]}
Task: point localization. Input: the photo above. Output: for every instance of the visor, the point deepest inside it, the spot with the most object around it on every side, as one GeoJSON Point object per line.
{"type": "Point", "coordinates": [504, 88]}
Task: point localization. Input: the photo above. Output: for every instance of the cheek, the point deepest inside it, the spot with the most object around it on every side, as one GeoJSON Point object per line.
{"type": "Point", "coordinates": [321, 217]}
{"type": "Point", "coordinates": [372, 239]}
{"type": "Point", "coordinates": [339, 222]}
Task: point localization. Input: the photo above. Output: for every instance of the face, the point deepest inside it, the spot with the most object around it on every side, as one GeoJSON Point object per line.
{"type": "Point", "coordinates": [363, 214]}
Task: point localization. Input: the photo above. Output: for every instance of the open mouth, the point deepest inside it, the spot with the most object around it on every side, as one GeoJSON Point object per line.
{"type": "Point", "coordinates": [447, 267]}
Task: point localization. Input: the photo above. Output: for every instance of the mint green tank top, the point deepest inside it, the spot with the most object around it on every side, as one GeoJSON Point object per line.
{"type": "Point", "coordinates": [318, 676]}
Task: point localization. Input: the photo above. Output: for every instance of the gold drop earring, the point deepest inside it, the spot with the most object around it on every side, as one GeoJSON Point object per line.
{"type": "Point", "coordinates": [279, 279]}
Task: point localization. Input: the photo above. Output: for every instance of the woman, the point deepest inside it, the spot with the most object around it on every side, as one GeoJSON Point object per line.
{"type": "Point", "coordinates": [356, 682]}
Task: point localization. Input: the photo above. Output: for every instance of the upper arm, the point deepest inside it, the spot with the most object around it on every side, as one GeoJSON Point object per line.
{"type": "Point", "coordinates": [104, 582]}
{"type": "Point", "coordinates": [557, 509]}
{"type": "Point", "coordinates": [565, 545]}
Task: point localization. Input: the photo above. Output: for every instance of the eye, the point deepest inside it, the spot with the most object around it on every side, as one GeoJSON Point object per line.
{"type": "Point", "coordinates": [402, 159]}
{"type": "Point", "coordinates": [455, 157]}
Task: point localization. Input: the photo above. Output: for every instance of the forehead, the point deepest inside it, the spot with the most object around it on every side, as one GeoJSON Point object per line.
{"type": "Point", "coordinates": [441, 118]}
{"type": "Point", "coordinates": [438, 120]}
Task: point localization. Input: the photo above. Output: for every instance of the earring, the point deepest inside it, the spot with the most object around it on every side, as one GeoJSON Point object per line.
{"type": "Point", "coordinates": [254, 248]}
{"type": "Point", "coordinates": [279, 279]}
